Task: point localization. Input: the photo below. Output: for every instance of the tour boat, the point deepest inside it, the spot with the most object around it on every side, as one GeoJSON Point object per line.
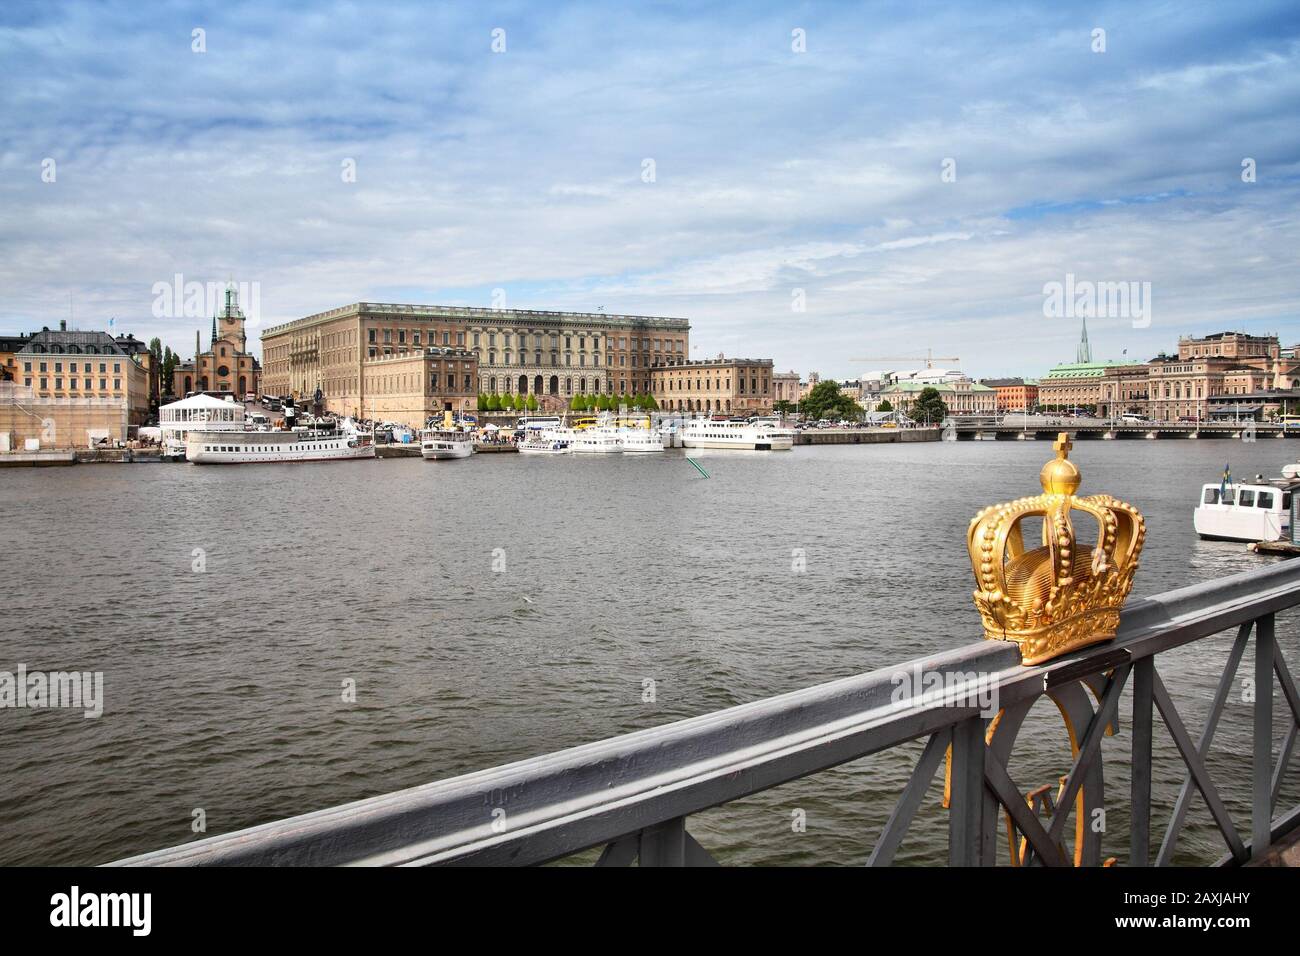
{"type": "Point", "coordinates": [318, 442]}
{"type": "Point", "coordinates": [736, 433]}
{"type": "Point", "coordinates": [197, 413]}
{"type": "Point", "coordinates": [1258, 510]}
{"type": "Point", "coordinates": [640, 436]}
{"type": "Point", "coordinates": [595, 440]}
{"type": "Point", "coordinates": [437, 443]}
{"type": "Point", "coordinates": [453, 440]}
{"type": "Point", "coordinates": [544, 443]}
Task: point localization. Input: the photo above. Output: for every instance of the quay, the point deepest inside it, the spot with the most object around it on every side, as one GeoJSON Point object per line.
{"type": "Point", "coordinates": [864, 436]}
{"type": "Point", "coordinates": [632, 796]}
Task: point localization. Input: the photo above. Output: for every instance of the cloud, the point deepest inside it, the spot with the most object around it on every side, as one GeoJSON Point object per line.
{"type": "Point", "coordinates": [774, 170]}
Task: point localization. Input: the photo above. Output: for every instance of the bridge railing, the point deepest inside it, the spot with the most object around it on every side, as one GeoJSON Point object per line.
{"type": "Point", "coordinates": [634, 794]}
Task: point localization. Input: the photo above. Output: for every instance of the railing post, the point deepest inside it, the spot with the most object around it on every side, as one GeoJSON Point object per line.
{"type": "Point", "coordinates": [664, 844]}
{"type": "Point", "coordinates": [1140, 789]}
{"type": "Point", "coordinates": [966, 808]}
{"type": "Point", "coordinates": [1262, 812]}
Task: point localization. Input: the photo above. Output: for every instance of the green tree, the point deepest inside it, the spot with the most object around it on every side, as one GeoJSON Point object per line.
{"type": "Point", "coordinates": [493, 403]}
{"type": "Point", "coordinates": [531, 404]}
{"type": "Point", "coordinates": [827, 401]}
{"type": "Point", "coordinates": [577, 403]}
{"type": "Point", "coordinates": [782, 407]}
{"type": "Point", "coordinates": [519, 402]}
{"type": "Point", "coordinates": [482, 402]}
{"type": "Point", "coordinates": [884, 406]}
{"type": "Point", "coordinates": [650, 404]}
{"type": "Point", "coordinates": [929, 407]}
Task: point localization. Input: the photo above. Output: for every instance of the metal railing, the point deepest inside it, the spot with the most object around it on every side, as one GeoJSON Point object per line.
{"type": "Point", "coordinates": [632, 794]}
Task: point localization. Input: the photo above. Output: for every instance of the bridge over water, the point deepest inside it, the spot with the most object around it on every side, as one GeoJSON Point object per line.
{"type": "Point", "coordinates": [633, 795]}
{"type": "Point", "coordinates": [992, 431]}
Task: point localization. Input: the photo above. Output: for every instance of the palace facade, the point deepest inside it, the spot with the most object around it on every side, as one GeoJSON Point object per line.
{"type": "Point", "coordinates": [717, 386]}
{"type": "Point", "coordinates": [552, 355]}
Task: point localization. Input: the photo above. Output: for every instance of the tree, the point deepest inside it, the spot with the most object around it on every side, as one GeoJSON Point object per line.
{"type": "Point", "coordinates": [827, 401]}
{"type": "Point", "coordinates": [884, 406]}
{"type": "Point", "coordinates": [494, 403]}
{"type": "Point", "coordinates": [519, 402]}
{"type": "Point", "coordinates": [482, 402]}
{"type": "Point", "coordinates": [782, 407]}
{"type": "Point", "coordinates": [531, 404]}
{"type": "Point", "coordinates": [929, 407]}
{"type": "Point", "coordinates": [576, 403]}
{"type": "Point", "coordinates": [650, 404]}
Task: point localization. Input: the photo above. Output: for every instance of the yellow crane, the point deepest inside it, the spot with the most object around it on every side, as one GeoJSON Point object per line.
{"type": "Point", "coordinates": [929, 358]}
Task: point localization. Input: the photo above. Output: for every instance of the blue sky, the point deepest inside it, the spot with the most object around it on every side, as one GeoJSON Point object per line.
{"type": "Point", "coordinates": [775, 170]}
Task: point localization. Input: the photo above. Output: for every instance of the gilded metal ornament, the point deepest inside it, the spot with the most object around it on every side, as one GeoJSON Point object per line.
{"type": "Point", "coordinates": [1061, 596]}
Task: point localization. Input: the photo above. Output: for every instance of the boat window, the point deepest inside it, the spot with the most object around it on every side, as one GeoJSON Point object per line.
{"type": "Point", "coordinates": [1246, 499]}
{"type": "Point", "coordinates": [1227, 496]}
{"type": "Point", "coordinates": [1265, 500]}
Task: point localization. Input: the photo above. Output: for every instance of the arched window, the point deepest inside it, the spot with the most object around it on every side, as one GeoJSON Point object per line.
{"type": "Point", "coordinates": [523, 385]}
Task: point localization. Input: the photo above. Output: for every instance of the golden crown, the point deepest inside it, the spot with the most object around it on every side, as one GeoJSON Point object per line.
{"type": "Point", "coordinates": [1061, 596]}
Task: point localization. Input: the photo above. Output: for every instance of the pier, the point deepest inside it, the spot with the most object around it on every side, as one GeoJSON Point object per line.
{"type": "Point", "coordinates": [632, 796]}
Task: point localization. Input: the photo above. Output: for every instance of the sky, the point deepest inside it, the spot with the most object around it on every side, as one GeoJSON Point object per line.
{"type": "Point", "coordinates": [813, 183]}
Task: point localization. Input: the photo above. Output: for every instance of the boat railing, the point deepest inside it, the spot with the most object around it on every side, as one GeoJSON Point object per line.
{"type": "Point", "coordinates": [632, 796]}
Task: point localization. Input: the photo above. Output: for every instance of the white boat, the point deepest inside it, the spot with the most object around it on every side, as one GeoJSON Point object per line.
{"type": "Point", "coordinates": [594, 440]}
{"type": "Point", "coordinates": [640, 436]}
{"type": "Point", "coordinates": [316, 443]}
{"type": "Point", "coordinates": [198, 412]}
{"type": "Point", "coordinates": [439, 443]}
{"type": "Point", "coordinates": [544, 443]}
{"type": "Point", "coordinates": [736, 433]}
{"type": "Point", "coordinates": [1245, 511]}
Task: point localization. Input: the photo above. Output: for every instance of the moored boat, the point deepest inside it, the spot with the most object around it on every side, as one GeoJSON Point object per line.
{"type": "Point", "coordinates": [321, 441]}
{"type": "Point", "coordinates": [1258, 510]}
{"type": "Point", "coordinates": [737, 433]}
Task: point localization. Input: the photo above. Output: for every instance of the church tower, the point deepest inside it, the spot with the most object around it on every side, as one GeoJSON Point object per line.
{"type": "Point", "coordinates": [1083, 354]}
{"type": "Point", "coordinates": [230, 324]}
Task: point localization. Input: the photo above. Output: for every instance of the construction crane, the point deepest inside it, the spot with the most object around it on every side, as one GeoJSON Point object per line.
{"type": "Point", "coordinates": [929, 358]}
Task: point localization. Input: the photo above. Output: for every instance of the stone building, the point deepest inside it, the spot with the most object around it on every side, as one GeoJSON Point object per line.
{"type": "Point", "coordinates": [728, 386]}
{"type": "Point", "coordinates": [415, 386]}
{"type": "Point", "coordinates": [1124, 390]}
{"type": "Point", "coordinates": [85, 365]}
{"type": "Point", "coordinates": [227, 365]}
{"type": "Point", "coordinates": [1013, 394]}
{"type": "Point", "coordinates": [10, 346]}
{"type": "Point", "coordinates": [1075, 385]}
{"type": "Point", "coordinates": [551, 355]}
{"type": "Point", "coordinates": [785, 387]}
{"type": "Point", "coordinates": [962, 397]}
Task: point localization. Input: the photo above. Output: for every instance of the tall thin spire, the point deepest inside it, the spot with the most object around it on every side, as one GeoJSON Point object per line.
{"type": "Point", "coordinates": [214, 329]}
{"type": "Point", "coordinates": [1084, 353]}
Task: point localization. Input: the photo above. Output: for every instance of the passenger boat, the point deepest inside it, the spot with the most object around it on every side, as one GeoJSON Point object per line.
{"type": "Point", "coordinates": [1258, 510]}
{"type": "Point", "coordinates": [544, 443]}
{"type": "Point", "coordinates": [322, 441]}
{"type": "Point", "coordinates": [640, 435]}
{"type": "Point", "coordinates": [737, 433]}
{"type": "Point", "coordinates": [452, 440]}
{"type": "Point", "coordinates": [196, 413]}
{"type": "Point", "coordinates": [594, 440]}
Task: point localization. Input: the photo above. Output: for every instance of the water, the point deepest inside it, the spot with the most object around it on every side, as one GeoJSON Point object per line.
{"type": "Point", "coordinates": [224, 688]}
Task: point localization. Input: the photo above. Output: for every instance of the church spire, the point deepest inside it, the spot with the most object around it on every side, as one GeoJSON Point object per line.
{"type": "Point", "coordinates": [1084, 353]}
{"type": "Point", "coordinates": [214, 329]}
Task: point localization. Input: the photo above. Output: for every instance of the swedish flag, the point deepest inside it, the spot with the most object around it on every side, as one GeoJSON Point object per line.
{"type": "Point", "coordinates": [1227, 480]}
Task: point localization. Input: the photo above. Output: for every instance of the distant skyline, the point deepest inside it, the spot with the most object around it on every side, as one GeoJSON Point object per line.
{"type": "Point", "coordinates": [915, 178]}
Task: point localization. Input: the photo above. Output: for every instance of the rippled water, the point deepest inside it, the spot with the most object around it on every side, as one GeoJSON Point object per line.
{"type": "Point", "coordinates": [223, 687]}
